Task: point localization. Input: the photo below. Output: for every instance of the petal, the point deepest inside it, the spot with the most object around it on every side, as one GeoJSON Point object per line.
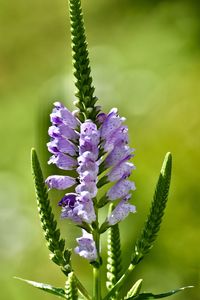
{"type": "Point", "coordinates": [91, 188]}
{"type": "Point", "coordinates": [62, 145]}
{"type": "Point", "coordinates": [63, 161]}
{"type": "Point", "coordinates": [60, 182]}
{"type": "Point", "coordinates": [120, 212]}
{"type": "Point", "coordinates": [61, 114]}
{"type": "Point", "coordinates": [64, 131]}
{"type": "Point", "coordinates": [120, 189]}
{"type": "Point", "coordinates": [111, 123]}
{"type": "Point", "coordinates": [121, 170]}
{"type": "Point", "coordinates": [119, 153]}
{"type": "Point", "coordinates": [119, 136]}
{"type": "Point", "coordinates": [86, 248]}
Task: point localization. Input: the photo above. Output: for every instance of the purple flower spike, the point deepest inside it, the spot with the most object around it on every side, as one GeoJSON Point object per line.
{"type": "Point", "coordinates": [120, 189]}
{"type": "Point", "coordinates": [60, 182]}
{"type": "Point", "coordinates": [86, 248]}
{"type": "Point", "coordinates": [120, 212]}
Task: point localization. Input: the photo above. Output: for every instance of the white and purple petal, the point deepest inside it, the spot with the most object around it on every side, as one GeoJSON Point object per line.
{"type": "Point", "coordinates": [120, 212]}
{"type": "Point", "coordinates": [119, 153]}
{"type": "Point", "coordinates": [121, 170]}
{"type": "Point", "coordinates": [60, 182]}
{"type": "Point", "coordinates": [86, 247]}
{"type": "Point", "coordinates": [61, 115]}
{"type": "Point", "coordinates": [62, 145]}
{"type": "Point", "coordinates": [63, 161]}
{"type": "Point", "coordinates": [111, 123]}
{"type": "Point", "coordinates": [120, 189]}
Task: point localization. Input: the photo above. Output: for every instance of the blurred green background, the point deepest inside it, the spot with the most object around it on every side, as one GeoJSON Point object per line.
{"type": "Point", "coordinates": [145, 58]}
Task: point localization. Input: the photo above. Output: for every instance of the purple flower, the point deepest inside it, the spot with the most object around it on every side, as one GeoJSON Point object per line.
{"type": "Point", "coordinates": [120, 189]}
{"type": "Point", "coordinates": [62, 145]}
{"type": "Point", "coordinates": [63, 161]}
{"type": "Point", "coordinates": [63, 130]}
{"type": "Point", "coordinates": [121, 170]}
{"type": "Point", "coordinates": [111, 123]}
{"type": "Point", "coordinates": [78, 208]}
{"type": "Point", "coordinates": [61, 115]}
{"type": "Point", "coordinates": [86, 247]}
{"type": "Point", "coordinates": [60, 182]}
{"type": "Point", "coordinates": [119, 153]}
{"type": "Point", "coordinates": [120, 212]}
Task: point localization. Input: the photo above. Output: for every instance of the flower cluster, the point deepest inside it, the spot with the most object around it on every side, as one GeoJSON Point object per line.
{"type": "Point", "coordinates": [99, 153]}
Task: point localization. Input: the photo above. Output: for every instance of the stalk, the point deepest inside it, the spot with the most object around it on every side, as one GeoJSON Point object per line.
{"type": "Point", "coordinates": [97, 264]}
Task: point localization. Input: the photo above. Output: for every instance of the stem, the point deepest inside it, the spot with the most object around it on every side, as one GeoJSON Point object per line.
{"type": "Point", "coordinates": [82, 290]}
{"type": "Point", "coordinates": [120, 282]}
{"type": "Point", "coordinates": [97, 265]}
{"type": "Point", "coordinates": [97, 283]}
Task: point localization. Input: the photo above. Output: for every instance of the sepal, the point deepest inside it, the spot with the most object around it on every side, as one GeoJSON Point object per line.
{"type": "Point", "coordinates": [135, 290]}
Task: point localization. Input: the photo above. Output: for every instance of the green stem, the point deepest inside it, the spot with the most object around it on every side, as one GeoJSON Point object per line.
{"type": "Point", "coordinates": [82, 290]}
{"type": "Point", "coordinates": [97, 283]}
{"type": "Point", "coordinates": [97, 264]}
{"type": "Point", "coordinates": [120, 282]}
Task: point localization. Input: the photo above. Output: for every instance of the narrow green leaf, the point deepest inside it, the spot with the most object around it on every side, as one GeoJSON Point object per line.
{"type": "Point", "coordinates": [151, 228]}
{"type": "Point", "coordinates": [85, 89]}
{"type": "Point", "coordinates": [45, 287]}
{"type": "Point", "coordinates": [71, 287]}
{"type": "Point", "coordinates": [60, 255]}
{"type": "Point", "coordinates": [134, 291]}
{"type": "Point", "coordinates": [153, 222]}
{"type": "Point", "coordinates": [149, 296]}
{"type": "Point", "coordinates": [54, 242]}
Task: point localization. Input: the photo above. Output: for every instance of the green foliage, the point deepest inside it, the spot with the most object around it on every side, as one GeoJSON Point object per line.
{"type": "Point", "coordinates": [56, 245]}
{"type": "Point", "coordinates": [153, 222]}
{"type": "Point", "coordinates": [85, 90]}
{"type": "Point", "coordinates": [134, 291]}
{"type": "Point", "coordinates": [45, 287]}
{"type": "Point", "coordinates": [150, 296]}
{"type": "Point", "coordinates": [71, 287]}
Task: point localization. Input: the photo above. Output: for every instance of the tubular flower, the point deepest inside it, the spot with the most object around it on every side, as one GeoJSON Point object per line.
{"type": "Point", "coordinates": [90, 148]}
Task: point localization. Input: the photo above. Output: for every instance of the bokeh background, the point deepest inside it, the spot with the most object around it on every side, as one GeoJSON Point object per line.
{"type": "Point", "coordinates": [145, 58]}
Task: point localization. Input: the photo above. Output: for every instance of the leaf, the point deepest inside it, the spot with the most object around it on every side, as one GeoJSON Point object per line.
{"type": "Point", "coordinates": [134, 291]}
{"type": "Point", "coordinates": [151, 227]}
{"type": "Point", "coordinates": [52, 234]}
{"type": "Point", "coordinates": [153, 222]}
{"type": "Point", "coordinates": [45, 287]}
{"type": "Point", "coordinates": [149, 296]}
